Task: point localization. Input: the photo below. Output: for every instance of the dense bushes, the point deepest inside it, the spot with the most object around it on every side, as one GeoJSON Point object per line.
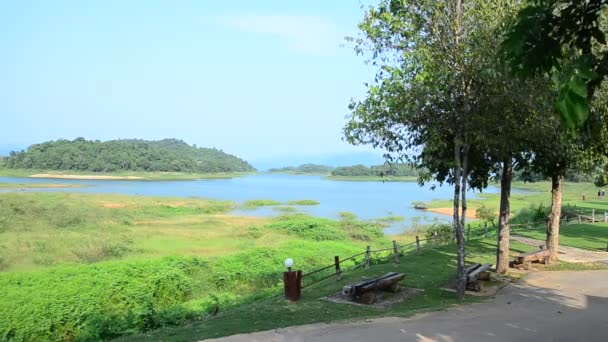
{"type": "Point", "coordinates": [93, 302]}
{"type": "Point", "coordinates": [304, 168]}
{"type": "Point", "coordinates": [321, 229]}
{"type": "Point", "coordinates": [394, 170]}
{"type": "Point", "coordinates": [105, 300]}
{"type": "Point", "coordinates": [125, 155]}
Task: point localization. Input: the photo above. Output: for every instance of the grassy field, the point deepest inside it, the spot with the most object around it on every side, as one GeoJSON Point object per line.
{"type": "Point", "coordinates": [591, 236]}
{"type": "Point", "coordinates": [77, 267]}
{"type": "Point", "coordinates": [372, 179]}
{"type": "Point", "coordinates": [89, 267]}
{"type": "Point", "coordinates": [149, 176]}
{"type": "Point", "coordinates": [534, 195]}
{"type": "Point", "coordinates": [38, 185]}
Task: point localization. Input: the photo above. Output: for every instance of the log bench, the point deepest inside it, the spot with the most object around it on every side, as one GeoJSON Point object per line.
{"type": "Point", "coordinates": [525, 259]}
{"type": "Point", "coordinates": [364, 291]}
{"type": "Point", "coordinates": [475, 273]}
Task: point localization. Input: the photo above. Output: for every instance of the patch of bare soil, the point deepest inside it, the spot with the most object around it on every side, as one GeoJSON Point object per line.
{"type": "Point", "coordinates": [450, 211]}
{"type": "Point", "coordinates": [90, 177]}
{"type": "Point", "coordinates": [384, 299]}
{"type": "Point", "coordinates": [113, 205]}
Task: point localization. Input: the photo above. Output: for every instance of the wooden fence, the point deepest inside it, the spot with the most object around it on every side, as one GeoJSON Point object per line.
{"type": "Point", "coordinates": [338, 269]}
{"type": "Point", "coordinates": [394, 251]}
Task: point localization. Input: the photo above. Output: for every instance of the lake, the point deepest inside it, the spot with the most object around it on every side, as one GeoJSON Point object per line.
{"type": "Point", "coordinates": [368, 200]}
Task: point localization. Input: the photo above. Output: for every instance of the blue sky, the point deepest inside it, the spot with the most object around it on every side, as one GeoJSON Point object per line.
{"type": "Point", "coordinates": [259, 79]}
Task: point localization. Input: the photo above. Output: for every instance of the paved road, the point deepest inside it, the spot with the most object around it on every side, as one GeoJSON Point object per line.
{"type": "Point", "coordinates": [547, 306]}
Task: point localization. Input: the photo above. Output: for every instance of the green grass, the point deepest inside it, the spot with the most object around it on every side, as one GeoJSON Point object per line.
{"type": "Point", "coordinates": [373, 178]}
{"type": "Point", "coordinates": [39, 185]}
{"type": "Point", "coordinates": [90, 267]}
{"type": "Point", "coordinates": [537, 194]}
{"type": "Point", "coordinates": [430, 271]}
{"type": "Point", "coordinates": [254, 204]}
{"type": "Point", "coordinates": [141, 175]}
{"type": "Point", "coordinates": [390, 219]}
{"type": "Point", "coordinates": [304, 202]}
{"type": "Point", "coordinates": [593, 236]}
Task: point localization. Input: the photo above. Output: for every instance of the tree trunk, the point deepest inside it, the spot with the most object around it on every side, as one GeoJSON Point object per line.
{"type": "Point", "coordinates": [554, 217]}
{"type": "Point", "coordinates": [504, 234]}
{"type": "Point", "coordinates": [461, 280]}
{"type": "Point", "coordinates": [463, 189]}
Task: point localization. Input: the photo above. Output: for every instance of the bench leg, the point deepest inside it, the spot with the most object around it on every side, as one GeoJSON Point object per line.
{"type": "Point", "coordinates": [474, 286]}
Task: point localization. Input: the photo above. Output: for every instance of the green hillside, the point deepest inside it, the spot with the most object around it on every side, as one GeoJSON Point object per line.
{"type": "Point", "coordinates": [167, 155]}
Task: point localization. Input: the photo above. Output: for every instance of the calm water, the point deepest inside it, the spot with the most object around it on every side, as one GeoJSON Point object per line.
{"type": "Point", "coordinates": [367, 200]}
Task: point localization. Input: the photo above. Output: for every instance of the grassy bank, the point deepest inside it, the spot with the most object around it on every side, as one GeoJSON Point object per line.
{"type": "Point", "coordinates": [131, 175]}
{"type": "Point", "coordinates": [38, 185]}
{"type": "Point", "coordinates": [372, 179]}
{"type": "Point", "coordinates": [90, 267]}
{"type": "Point", "coordinates": [534, 195]}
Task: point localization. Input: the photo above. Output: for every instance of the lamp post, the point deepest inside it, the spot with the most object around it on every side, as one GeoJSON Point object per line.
{"type": "Point", "coordinates": [292, 281]}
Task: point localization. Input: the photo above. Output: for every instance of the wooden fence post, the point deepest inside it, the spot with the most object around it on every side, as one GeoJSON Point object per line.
{"type": "Point", "coordinates": [338, 271]}
{"type": "Point", "coordinates": [417, 244]}
{"type": "Point", "coordinates": [468, 232]}
{"type": "Point", "coordinates": [395, 251]}
{"type": "Point", "coordinates": [485, 229]}
{"type": "Point", "coordinates": [579, 219]}
{"type": "Point", "coordinates": [593, 215]}
{"type": "Point", "coordinates": [605, 217]}
{"type": "Point", "coordinates": [367, 256]}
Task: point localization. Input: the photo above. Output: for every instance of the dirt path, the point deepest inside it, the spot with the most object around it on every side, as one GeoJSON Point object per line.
{"type": "Point", "coordinates": [547, 306]}
{"type": "Point", "coordinates": [569, 254]}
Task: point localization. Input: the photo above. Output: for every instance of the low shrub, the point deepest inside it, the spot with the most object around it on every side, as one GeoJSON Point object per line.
{"type": "Point", "coordinates": [439, 233]}
{"type": "Point", "coordinates": [253, 204]}
{"type": "Point", "coordinates": [486, 214]}
{"type": "Point", "coordinates": [307, 227]}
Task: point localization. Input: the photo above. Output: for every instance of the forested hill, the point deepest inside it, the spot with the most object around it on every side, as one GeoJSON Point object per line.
{"type": "Point", "coordinates": [125, 155]}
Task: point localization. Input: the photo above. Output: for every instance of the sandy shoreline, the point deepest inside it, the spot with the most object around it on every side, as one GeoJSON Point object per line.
{"type": "Point", "coordinates": [450, 211]}
{"type": "Point", "coordinates": [89, 177]}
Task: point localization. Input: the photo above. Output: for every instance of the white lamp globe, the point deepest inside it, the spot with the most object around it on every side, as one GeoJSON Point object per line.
{"type": "Point", "coordinates": [289, 262]}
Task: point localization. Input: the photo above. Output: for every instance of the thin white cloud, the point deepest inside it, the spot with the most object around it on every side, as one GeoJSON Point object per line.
{"type": "Point", "coordinates": [310, 34]}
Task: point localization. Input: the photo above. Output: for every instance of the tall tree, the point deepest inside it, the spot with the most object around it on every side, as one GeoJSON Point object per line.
{"type": "Point", "coordinates": [427, 91]}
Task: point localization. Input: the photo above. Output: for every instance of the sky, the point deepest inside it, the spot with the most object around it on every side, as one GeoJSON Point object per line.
{"type": "Point", "coordinates": [259, 79]}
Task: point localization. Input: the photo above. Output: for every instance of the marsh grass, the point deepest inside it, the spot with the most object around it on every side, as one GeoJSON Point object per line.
{"type": "Point", "coordinates": [304, 202]}
{"type": "Point", "coordinates": [254, 204]}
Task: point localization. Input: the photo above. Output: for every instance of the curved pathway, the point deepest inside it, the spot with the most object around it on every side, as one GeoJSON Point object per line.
{"type": "Point", "coordinates": [546, 306]}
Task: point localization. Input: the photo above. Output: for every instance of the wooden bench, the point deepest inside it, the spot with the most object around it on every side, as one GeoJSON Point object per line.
{"type": "Point", "coordinates": [364, 291]}
{"type": "Point", "coordinates": [475, 273]}
{"type": "Point", "coordinates": [525, 259]}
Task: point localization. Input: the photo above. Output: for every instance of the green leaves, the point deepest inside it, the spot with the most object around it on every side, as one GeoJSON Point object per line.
{"type": "Point", "coordinates": [545, 39]}
{"type": "Point", "coordinates": [573, 100]}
